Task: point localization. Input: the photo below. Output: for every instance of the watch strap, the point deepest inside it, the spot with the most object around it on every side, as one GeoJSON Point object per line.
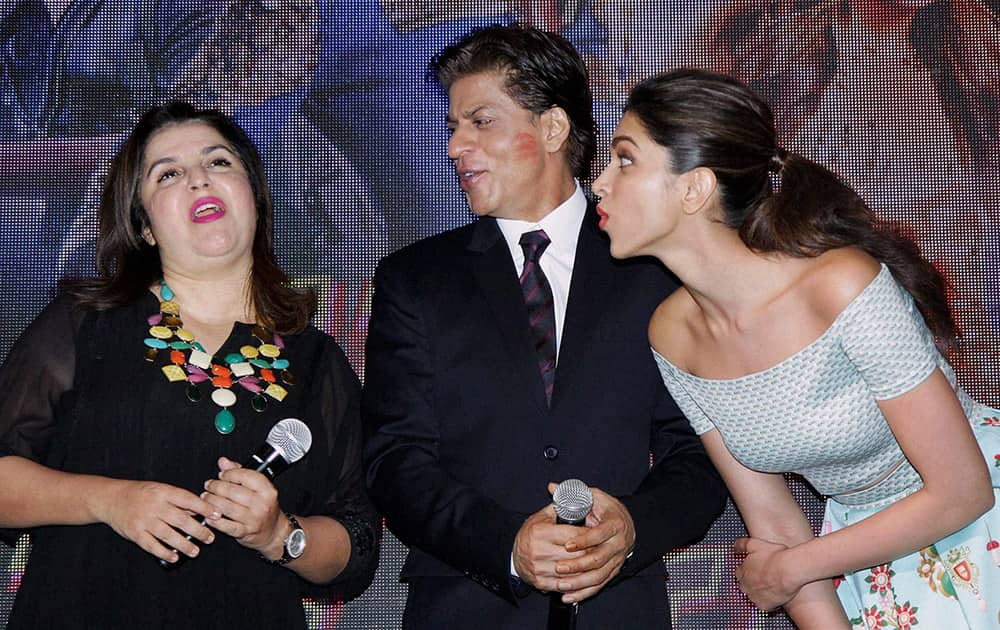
{"type": "Point", "coordinates": [285, 556]}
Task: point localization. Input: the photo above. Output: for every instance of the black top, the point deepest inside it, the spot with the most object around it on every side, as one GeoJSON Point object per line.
{"type": "Point", "coordinates": [77, 395]}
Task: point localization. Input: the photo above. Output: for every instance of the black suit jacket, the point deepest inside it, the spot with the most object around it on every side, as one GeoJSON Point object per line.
{"type": "Point", "coordinates": [460, 441]}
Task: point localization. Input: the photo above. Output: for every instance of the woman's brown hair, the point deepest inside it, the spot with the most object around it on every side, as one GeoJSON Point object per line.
{"type": "Point", "coordinates": [778, 201]}
{"type": "Point", "coordinates": [127, 265]}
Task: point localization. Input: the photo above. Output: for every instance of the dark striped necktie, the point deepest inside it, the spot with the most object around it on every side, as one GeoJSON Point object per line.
{"type": "Point", "coordinates": [541, 309]}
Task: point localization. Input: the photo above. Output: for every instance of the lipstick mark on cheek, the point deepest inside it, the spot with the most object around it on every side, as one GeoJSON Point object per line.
{"type": "Point", "coordinates": [525, 146]}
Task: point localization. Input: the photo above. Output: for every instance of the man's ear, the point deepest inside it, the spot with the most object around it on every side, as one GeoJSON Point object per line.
{"type": "Point", "coordinates": [555, 128]}
{"type": "Point", "coordinates": [700, 186]}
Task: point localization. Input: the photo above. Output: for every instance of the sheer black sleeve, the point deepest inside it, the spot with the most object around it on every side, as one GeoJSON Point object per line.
{"type": "Point", "coordinates": [347, 501]}
{"type": "Point", "coordinates": [34, 382]}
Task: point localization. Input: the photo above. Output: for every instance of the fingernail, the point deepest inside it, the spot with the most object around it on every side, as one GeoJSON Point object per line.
{"type": "Point", "coordinates": [216, 515]}
{"type": "Point", "coordinates": [210, 539]}
{"type": "Point", "coordinates": [560, 568]}
{"type": "Point", "coordinates": [570, 546]}
{"type": "Point", "coordinates": [206, 484]}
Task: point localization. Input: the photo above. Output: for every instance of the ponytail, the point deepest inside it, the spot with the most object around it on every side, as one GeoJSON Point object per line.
{"type": "Point", "coordinates": [811, 211]}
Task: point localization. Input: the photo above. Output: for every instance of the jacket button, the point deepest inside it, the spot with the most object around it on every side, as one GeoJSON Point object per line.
{"type": "Point", "coordinates": [550, 452]}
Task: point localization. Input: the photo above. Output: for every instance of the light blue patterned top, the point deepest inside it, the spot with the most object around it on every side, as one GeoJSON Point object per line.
{"type": "Point", "coordinates": [816, 413]}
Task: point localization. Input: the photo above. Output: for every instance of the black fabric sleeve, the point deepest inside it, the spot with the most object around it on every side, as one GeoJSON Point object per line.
{"type": "Point", "coordinates": [679, 498]}
{"type": "Point", "coordinates": [36, 376]}
{"type": "Point", "coordinates": [347, 501]}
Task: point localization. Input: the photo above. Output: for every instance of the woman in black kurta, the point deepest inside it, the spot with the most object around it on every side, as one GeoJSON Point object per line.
{"type": "Point", "coordinates": [78, 396]}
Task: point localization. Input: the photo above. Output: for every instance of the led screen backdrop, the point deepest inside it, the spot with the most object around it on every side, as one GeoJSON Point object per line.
{"type": "Point", "coordinates": [899, 98]}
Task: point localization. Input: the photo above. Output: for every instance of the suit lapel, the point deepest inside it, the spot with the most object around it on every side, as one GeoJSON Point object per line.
{"type": "Point", "coordinates": [589, 291]}
{"type": "Point", "coordinates": [493, 270]}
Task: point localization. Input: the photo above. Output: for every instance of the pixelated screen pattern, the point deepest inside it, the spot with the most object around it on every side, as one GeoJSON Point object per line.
{"type": "Point", "coordinates": [900, 99]}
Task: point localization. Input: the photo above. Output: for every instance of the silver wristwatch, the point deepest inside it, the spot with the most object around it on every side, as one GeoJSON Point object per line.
{"type": "Point", "coordinates": [295, 544]}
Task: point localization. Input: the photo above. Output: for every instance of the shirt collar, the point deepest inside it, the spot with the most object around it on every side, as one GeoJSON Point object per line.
{"type": "Point", "coordinates": [562, 226]}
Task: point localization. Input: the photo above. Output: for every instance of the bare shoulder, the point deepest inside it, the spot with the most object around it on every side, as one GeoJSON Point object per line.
{"type": "Point", "coordinates": [670, 325]}
{"type": "Point", "coordinates": [837, 278]}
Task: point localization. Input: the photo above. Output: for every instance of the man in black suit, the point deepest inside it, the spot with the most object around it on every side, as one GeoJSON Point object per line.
{"type": "Point", "coordinates": [498, 363]}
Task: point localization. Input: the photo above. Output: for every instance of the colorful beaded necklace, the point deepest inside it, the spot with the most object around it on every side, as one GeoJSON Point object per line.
{"type": "Point", "coordinates": [252, 368]}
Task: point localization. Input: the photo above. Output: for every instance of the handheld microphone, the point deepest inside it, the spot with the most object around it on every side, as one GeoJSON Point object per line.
{"type": "Point", "coordinates": [287, 442]}
{"type": "Point", "coordinates": [573, 502]}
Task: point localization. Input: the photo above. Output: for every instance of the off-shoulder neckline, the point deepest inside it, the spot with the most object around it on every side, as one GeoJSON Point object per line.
{"type": "Point", "coordinates": [883, 272]}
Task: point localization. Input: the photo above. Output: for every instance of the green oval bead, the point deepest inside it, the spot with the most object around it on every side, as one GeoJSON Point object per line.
{"type": "Point", "coordinates": [179, 345]}
{"type": "Point", "coordinates": [225, 422]}
{"type": "Point", "coordinates": [261, 363]}
{"type": "Point", "coordinates": [193, 392]}
{"type": "Point", "coordinates": [259, 403]}
{"type": "Point", "coordinates": [234, 357]}
{"type": "Point", "coordinates": [153, 342]}
{"type": "Point", "coordinates": [199, 346]}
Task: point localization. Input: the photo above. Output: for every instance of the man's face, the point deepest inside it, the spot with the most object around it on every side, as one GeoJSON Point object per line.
{"type": "Point", "coordinates": [497, 147]}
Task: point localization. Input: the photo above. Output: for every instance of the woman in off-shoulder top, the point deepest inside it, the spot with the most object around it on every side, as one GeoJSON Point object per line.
{"type": "Point", "coordinates": [803, 341]}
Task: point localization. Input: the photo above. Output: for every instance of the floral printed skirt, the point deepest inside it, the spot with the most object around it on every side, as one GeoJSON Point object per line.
{"type": "Point", "coordinates": [953, 584]}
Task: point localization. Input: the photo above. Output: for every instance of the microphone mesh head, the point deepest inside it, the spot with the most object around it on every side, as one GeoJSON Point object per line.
{"type": "Point", "coordinates": [573, 500]}
{"type": "Point", "coordinates": [292, 438]}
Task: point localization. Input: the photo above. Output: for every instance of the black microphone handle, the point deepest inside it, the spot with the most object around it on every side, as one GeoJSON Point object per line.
{"type": "Point", "coordinates": [267, 461]}
{"type": "Point", "coordinates": [580, 522]}
{"type": "Point", "coordinates": [562, 616]}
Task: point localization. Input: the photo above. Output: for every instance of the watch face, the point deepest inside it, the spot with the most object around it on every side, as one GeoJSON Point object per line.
{"type": "Point", "coordinates": [296, 543]}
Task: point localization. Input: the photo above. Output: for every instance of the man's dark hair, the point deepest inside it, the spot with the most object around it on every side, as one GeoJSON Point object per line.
{"type": "Point", "coordinates": [541, 70]}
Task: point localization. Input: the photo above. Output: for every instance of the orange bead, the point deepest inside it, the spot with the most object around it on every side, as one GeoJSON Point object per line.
{"type": "Point", "coordinates": [222, 381]}
{"type": "Point", "coordinates": [220, 370]}
{"type": "Point", "coordinates": [267, 375]}
{"type": "Point", "coordinates": [176, 356]}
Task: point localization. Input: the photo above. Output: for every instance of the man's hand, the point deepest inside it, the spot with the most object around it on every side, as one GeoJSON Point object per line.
{"type": "Point", "coordinates": [599, 550]}
{"type": "Point", "coordinates": [540, 545]}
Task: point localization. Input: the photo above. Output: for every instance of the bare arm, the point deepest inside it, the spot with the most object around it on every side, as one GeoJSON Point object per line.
{"type": "Point", "coordinates": [153, 515]}
{"type": "Point", "coordinates": [772, 514]}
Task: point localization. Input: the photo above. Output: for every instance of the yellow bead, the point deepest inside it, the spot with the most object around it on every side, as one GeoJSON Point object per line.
{"type": "Point", "coordinates": [174, 373]}
{"type": "Point", "coordinates": [185, 335]}
{"type": "Point", "coordinates": [269, 350]}
{"type": "Point", "coordinates": [276, 391]}
{"type": "Point", "coordinates": [161, 332]}
{"type": "Point", "coordinates": [249, 352]}
{"type": "Point", "coordinates": [170, 307]}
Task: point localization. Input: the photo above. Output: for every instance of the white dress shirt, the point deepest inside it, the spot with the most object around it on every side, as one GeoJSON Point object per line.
{"type": "Point", "coordinates": [562, 226]}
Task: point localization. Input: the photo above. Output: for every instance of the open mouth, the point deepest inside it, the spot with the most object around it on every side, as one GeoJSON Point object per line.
{"type": "Point", "coordinates": [468, 178]}
{"type": "Point", "coordinates": [207, 209]}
